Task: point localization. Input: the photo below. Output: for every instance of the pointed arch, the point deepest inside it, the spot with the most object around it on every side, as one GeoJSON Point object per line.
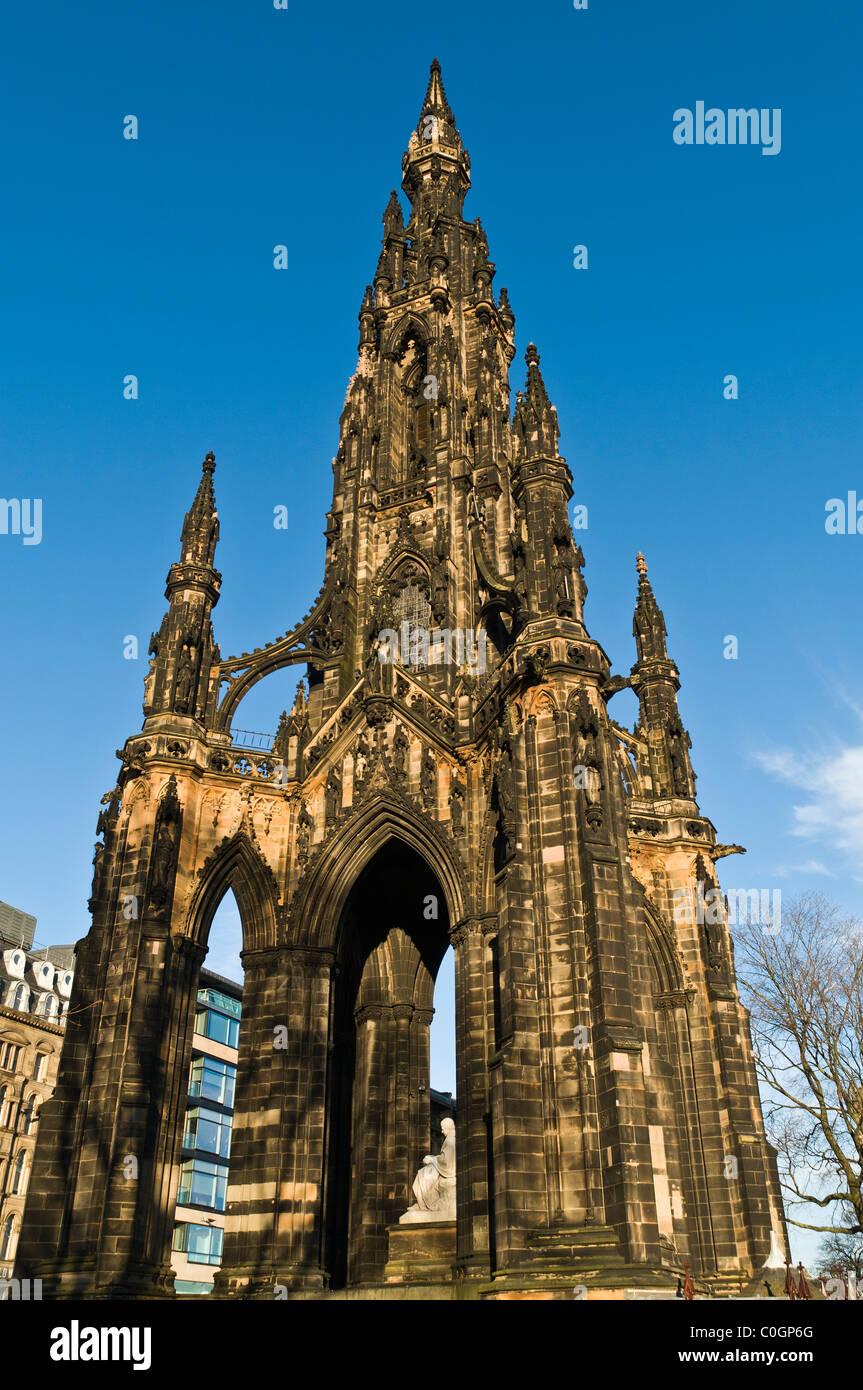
{"type": "Point", "coordinates": [396, 973]}
{"type": "Point", "coordinates": [403, 557]}
{"type": "Point", "coordinates": [322, 893]}
{"type": "Point", "coordinates": [237, 863]}
{"type": "Point", "coordinates": [259, 666]}
{"type": "Point", "coordinates": [666, 964]}
{"type": "Point", "coordinates": [541, 701]}
{"type": "Point", "coordinates": [140, 793]}
{"type": "Point", "coordinates": [399, 332]}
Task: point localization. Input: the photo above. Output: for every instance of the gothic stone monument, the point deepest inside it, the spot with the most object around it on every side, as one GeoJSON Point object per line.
{"type": "Point", "coordinates": [609, 1126]}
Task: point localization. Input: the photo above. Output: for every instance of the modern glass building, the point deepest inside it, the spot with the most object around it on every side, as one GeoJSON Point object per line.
{"type": "Point", "coordinates": [199, 1227]}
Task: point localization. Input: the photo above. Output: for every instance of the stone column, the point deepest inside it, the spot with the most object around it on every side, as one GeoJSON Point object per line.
{"type": "Point", "coordinates": [275, 1211]}
{"type": "Point", "coordinates": [472, 1047]}
{"type": "Point", "coordinates": [369, 1124]}
{"type": "Point", "coordinates": [399, 1151]}
{"type": "Point", "coordinates": [159, 1086]}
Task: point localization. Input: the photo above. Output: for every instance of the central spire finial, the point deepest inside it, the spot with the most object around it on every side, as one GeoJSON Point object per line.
{"type": "Point", "coordinates": [641, 564]}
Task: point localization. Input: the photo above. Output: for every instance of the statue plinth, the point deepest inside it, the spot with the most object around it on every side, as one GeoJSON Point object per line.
{"type": "Point", "coordinates": [421, 1252]}
{"type": "Point", "coordinates": [413, 1217]}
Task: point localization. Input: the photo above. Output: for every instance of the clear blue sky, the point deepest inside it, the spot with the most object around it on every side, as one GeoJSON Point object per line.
{"type": "Point", "coordinates": [259, 127]}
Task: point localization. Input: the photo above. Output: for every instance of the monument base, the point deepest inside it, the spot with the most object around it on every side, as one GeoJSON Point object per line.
{"type": "Point", "coordinates": [420, 1252]}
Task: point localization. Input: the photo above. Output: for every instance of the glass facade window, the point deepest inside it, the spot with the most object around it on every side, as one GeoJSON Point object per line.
{"type": "Point", "coordinates": [202, 1245]}
{"type": "Point", "coordinates": [39, 1066]}
{"type": "Point", "coordinates": [223, 1002]}
{"type": "Point", "coordinates": [191, 1286]}
{"type": "Point", "coordinates": [208, 1130]}
{"type": "Point", "coordinates": [212, 1079]}
{"type": "Point", "coordinates": [219, 1027]}
{"type": "Point", "coordinates": [203, 1184]}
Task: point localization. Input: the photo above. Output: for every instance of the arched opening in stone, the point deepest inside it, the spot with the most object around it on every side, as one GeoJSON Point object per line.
{"type": "Point", "coordinates": [442, 1032]}
{"type": "Point", "coordinates": [256, 719]}
{"type": "Point", "coordinates": [212, 1054]}
{"type": "Point", "coordinates": [679, 1174]}
{"type": "Point", "coordinates": [225, 940]}
{"type": "Point", "coordinates": [197, 1242]}
{"type": "Point", "coordinates": [393, 934]}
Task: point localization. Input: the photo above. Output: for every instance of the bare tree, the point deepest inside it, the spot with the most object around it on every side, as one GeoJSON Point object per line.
{"type": "Point", "coordinates": [840, 1253]}
{"type": "Point", "coordinates": [802, 980]}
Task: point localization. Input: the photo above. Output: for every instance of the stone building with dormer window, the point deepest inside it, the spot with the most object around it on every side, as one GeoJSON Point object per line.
{"type": "Point", "coordinates": [35, 986]}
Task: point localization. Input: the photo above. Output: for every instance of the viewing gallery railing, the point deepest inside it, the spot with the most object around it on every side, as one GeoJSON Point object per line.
{"type": "Point", "coordinates": [250, 738]}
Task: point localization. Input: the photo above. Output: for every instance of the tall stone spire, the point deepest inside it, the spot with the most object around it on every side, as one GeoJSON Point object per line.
{"type": "Point", "coordinates": [436, 122]}
{"type": "Point", "coordinates": [656, 682]}
{"type": "Point", "coordinates": [389, 272]}
{"type": "Point", "coordinates": [535, 423]}
{"type": "Point", "coordinates": [183, 650]}
{"type": "Point", "coordinates": [393, 219]}
{"type": "Point", "coordinates": [201, 526]}
{"type": "Point", "coordinates": [542, 487]}
{"type": "Point", "coordinates": [604, 1070]}
{"type": "Point", "coordinates": [648, 625]}
{"type": "Point", "coordinates": [435, 166]}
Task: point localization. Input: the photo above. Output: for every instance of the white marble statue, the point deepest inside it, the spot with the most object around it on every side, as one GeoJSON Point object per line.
{"type": "Point", "coordinates": [434, 1184]}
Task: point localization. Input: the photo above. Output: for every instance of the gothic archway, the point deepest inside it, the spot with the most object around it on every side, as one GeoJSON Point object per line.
{"type": "Point", "coordinates": [678, 1155]}
{"type": "Point", "coordinates": [317, 906]}
{"type": "Point", "coordinates": [393, 932]}
{"type": "Point", "coordinates": [237, 865]}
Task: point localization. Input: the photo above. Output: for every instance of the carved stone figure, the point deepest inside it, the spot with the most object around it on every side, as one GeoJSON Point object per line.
{"type": "Point", "coordinates": [401, 749]}
{"type": "Point", "coordinates": [677, 759]}
{"type": "Point", "coordinates": [108, 818]}
{"type": "Point", "coordinates": [184, 682]}
{"type": "Point", "coordinates": [456, 808]}
{"type": "Point", "coordinates": [428, 780]}
{"type": "Point", "coordinates": [587, 755]}
{"type": "Point", "coordinates": [338, 615]}
{"type": "Point", "coordinates": [305, 826]}
{"type": "Point", "coordinates": [165, 847]}
{"type": "Point", "coordinates": [434, 1184]}
{"type": "Point", "coordinates": [361, 761]}
{"type": "Point", "coordinates": [374, 662]}
{"type": "Point", "coordinates": [332, 797]}
{"type": "Point", "coordinates": [504, 783]}
{"type": "Point", "coordinates": [535, 663]}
